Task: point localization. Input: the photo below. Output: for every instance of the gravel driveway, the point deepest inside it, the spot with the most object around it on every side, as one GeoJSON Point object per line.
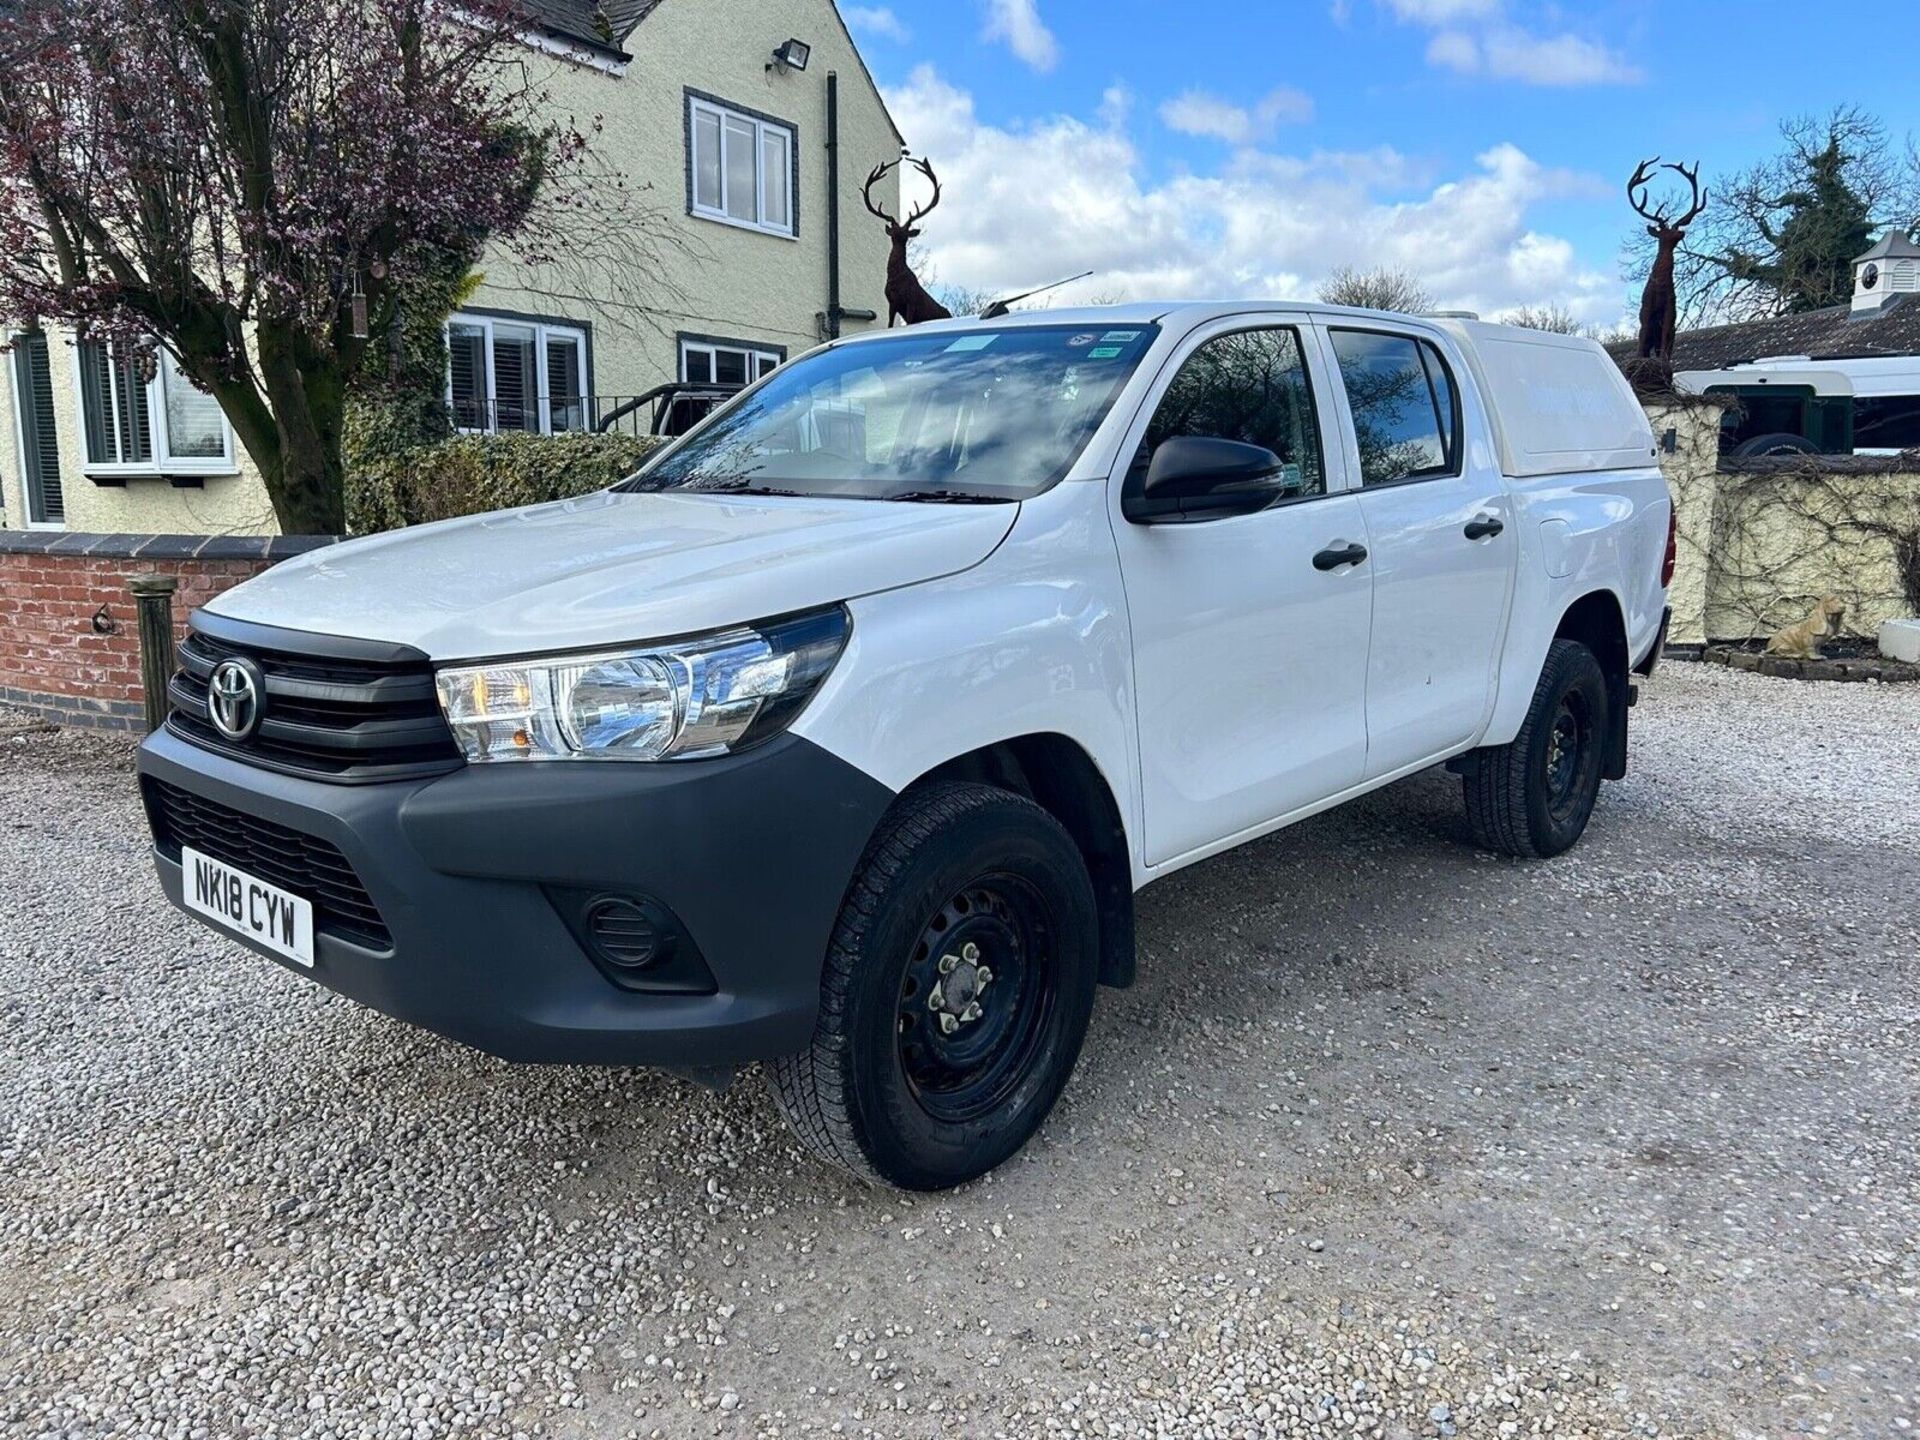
{"type": "Point", "coordinates": [1393, 1138]}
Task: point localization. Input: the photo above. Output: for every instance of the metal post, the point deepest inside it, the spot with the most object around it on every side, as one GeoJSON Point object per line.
{"type": "Point", "coordinates": [153, 600]}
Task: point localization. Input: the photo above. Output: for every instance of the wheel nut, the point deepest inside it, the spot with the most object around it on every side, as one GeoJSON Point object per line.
{"type": "Point", "coordinates": [970, 952]}
{"type": "Point", "coordinates": [937, 998]}
{"type": "Point", "coordinates": [982, 974]}
{"type": "Point", "coordinates": [948, 963]}
{"type": "Point", "coordinates": [970, 1014]}
{"type": "Point", "coordinates": [948, 1024]}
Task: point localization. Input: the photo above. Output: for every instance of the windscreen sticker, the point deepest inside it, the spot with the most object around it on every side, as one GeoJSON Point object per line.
{"type": "Point", "coordinates": [971, 342]}
{"type": "Point", "coordinates": [1103, 352]}
{"type": "Point", "coordinates": [1082, 340]}
{"type": "Point", "coordinates": [1119, 337]}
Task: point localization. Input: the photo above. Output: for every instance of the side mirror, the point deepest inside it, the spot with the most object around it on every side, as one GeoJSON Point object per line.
{"type": "Point", "coordinates": [1193, 477]}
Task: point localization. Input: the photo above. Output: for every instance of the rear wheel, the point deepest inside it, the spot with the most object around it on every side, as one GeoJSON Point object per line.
{"type": "Point", "coordinates": [955, 995]}
{"type": "Point", "coordinates": [1533, 797]}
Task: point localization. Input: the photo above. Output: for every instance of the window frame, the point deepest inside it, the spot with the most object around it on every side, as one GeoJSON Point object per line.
{"type": "Point", "coordinates": [1306, 338]}
{"type": "Point", "coordinates": [153, 395]}
{"type": "Point", "coordinates": [544, 328]}
{"type": "Point", "coordinates": [698, 101]}
{"type": "Point", "coordinates": [686, 343]}
{"type": "Point", "coordinates": [1452, 440]}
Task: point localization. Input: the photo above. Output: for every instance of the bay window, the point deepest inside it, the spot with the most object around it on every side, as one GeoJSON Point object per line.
{"type": "Point", "coordinates": [142, 415]}
{"type": "Point", "coordinates": [516, 374]}
{"type": "Point", "coordinates": [740, 166]}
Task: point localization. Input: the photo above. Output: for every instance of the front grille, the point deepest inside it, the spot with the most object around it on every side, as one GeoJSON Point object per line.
{"type": "Point", "coordinates": [309, 867]}
{"type": "Point", "coordinates": [350, 720]}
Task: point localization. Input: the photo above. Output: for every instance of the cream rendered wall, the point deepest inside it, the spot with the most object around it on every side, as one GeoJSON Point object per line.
{"type": "Point", "coordinates": [716, 280]}
{"type": "Point", "coordinates": [229, 504]}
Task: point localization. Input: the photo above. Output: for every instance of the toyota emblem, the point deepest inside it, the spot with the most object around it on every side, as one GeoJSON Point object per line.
{"type": "Point", "coordinates": [233, 698]}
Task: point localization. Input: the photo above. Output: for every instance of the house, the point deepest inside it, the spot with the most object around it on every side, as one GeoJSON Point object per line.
{"type": "Point", "coordinates": [722, 118]}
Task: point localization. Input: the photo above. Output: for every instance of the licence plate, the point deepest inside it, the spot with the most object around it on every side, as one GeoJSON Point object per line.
{"type": "Point", "coordinates": [236, 901]}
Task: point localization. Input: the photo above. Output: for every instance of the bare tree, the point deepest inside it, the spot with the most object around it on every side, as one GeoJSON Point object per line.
{"type": "Point", "coordinates": [1553, 317]}
{"type": "Point", "coordinates": [1382, 288]}
{"type": "Point", "coordinates": [1783, 232]}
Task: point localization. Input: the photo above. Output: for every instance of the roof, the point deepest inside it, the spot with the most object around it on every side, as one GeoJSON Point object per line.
{"type": "Point", "coordinates": [598, 24]}
{"type": "Point", "coordinates": [1835, 332]}
{"type": "Point", "coordinates": [1894, 245]}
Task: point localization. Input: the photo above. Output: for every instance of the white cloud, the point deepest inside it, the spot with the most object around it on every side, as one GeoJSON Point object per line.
{"type": "Point", "coordinates": [1197, 112]}
{"type": "Point", "coordinates": [1443, 12]}
{"type": "Point", "coordinates": [1028, 203]}
{"type": "Point", "coordinates": [876, 20]}
{"type": "Point", "coordinates": [1474, 37]}
{"type": "Point", "coordinates": [1506, 52]}
{"type": "Point", "coordinates": [1018, 23]}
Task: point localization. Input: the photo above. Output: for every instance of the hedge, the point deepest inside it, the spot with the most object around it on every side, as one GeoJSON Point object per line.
{"type": "Point", "coordinates": [471, 474]}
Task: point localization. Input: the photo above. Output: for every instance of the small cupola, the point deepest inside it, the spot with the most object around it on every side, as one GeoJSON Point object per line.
{"type": "Point", "coordinates": [1886, 272]}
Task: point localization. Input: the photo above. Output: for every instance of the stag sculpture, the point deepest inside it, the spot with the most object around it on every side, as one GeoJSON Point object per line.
{"type": "Point", "coordinates": [1659, 303]}
{"type": "Point", "coordinates": [907, 298]}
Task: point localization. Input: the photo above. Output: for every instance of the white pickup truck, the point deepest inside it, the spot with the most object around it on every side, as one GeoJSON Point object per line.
{"type": "Point", "coordinates": [841, 736]}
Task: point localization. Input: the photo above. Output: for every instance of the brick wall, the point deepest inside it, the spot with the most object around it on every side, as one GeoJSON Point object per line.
{"type": "Point", "coordinates": [70, 644]}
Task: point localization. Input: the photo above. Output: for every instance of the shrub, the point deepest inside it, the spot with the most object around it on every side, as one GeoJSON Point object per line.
{"type": "Point", "coordinates": [471, 474]}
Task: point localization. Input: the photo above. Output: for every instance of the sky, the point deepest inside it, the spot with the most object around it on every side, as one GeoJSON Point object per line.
{"type": "Point", "coordinates": [1234, 148]}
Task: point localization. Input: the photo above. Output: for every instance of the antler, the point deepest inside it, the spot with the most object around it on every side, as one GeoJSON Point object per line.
{"type": "Point", "coordinates": [1643, 177]}
{"type": "Point", "coordinates": [1640, 180]}
{"type": "Point", "coordinates": [1692, 177]}
{"type": "Point", "coordinates": [866, 192]}
{"type": "Point", "coordinates": [920, 212]}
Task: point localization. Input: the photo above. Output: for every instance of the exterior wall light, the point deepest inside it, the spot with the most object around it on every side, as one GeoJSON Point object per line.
{"type": "Point", "coordinates": [792, 55]}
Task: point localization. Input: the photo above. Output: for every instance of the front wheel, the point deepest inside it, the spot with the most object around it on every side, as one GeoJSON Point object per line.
{"type": "Point", "coordinates": [1533, 797]}
{"type": "Point", "coordinates": [956, 992]}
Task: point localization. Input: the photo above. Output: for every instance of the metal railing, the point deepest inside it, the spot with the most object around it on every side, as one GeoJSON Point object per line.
{"type": "Point", "coordinates": [664, 410]}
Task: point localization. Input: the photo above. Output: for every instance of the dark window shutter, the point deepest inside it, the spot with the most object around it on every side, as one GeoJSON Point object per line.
{"type": "Point", "coordinates": [33, 392]}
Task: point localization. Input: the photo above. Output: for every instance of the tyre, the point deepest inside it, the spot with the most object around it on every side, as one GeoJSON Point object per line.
{"type": "Point", "coordinates": [956, 992]}
{"type": "Point", "coordinates": [1784, 442]}
{"type": "Point", "coordinates": [1533, 798]}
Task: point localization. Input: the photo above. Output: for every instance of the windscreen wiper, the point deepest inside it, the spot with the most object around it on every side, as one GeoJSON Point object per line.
{"type": "Point", "coordinates": [947, 497]}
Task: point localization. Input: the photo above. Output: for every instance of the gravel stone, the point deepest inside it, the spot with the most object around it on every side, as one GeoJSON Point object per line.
{"type": "Point", "coordinates": [1393, 1139]}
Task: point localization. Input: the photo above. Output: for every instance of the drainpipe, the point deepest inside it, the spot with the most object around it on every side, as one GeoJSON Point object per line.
{"type": "Point", "coordinates": [833, 205]}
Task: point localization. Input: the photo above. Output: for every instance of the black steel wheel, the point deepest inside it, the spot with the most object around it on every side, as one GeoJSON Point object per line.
{"type": "Point", "coordinates": [1534, 797]}
{"type": "Point", "coordinates": [956, 994]}
{"type": "Point", "coordinates": [979, 989]}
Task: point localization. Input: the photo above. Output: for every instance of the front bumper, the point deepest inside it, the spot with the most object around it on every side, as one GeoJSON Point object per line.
{"type": "Point", "coordinates": [473, 874]}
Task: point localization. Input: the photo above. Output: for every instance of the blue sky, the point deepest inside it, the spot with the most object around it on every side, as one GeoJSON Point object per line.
{"type": "Point", "coordinates": [1248, 146]}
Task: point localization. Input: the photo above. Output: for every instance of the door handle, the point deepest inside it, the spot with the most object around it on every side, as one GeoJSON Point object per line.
{"type": "Point", "coordinates": [1334, 556]}
{"type": "Point", "coordinates": [1483, 525]}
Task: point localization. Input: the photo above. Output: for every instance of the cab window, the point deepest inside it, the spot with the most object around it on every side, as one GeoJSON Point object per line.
{"type": "Point", "coordinates": [1250, 386]}
{"type": "Point", "coordinates": [1406, 414]}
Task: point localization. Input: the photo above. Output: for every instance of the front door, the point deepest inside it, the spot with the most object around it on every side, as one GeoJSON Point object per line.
{"type": "Point", "coordinates": [1442, 536]}
{"type": "Point", "coordinates": [1249, 658]}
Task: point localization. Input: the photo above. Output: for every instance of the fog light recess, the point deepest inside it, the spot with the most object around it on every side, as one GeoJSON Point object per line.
{"type": "Point", "coordinates": [635, 941]}
{"type": "Point", "coordinates": [624, 934]}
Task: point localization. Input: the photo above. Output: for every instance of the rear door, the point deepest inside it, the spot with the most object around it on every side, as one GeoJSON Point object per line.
{"type": "Point", "coordinates": [1441, 531]}
{"type": "Point", "coordinates": [1249, 659]}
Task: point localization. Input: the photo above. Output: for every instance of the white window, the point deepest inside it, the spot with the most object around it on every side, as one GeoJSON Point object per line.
{"type": "Point", "coordinates": [507, 375]}
{"type": "Point", "coordinates": [742, 167]}
{"type": "Point", "coordinates": [144, 416]}
{"type": "Point", "coordinates": [714, 362]}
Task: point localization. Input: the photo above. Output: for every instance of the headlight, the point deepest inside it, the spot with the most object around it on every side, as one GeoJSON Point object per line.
{"type": "Point", "coordinates": [710, 695]}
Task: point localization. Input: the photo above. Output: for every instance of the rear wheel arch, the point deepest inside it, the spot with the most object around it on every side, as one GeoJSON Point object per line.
{"type": "Point", "coordinates": [1597, 621]}
{"type": "Point", "coordinates": [1057, 774]}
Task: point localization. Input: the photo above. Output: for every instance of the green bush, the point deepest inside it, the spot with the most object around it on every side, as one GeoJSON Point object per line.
{"type": "Point", "coordinates": [471, 474]}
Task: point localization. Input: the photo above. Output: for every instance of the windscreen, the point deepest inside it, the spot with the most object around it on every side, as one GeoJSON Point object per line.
{"type": "Point", "coordinates": [981, 415]}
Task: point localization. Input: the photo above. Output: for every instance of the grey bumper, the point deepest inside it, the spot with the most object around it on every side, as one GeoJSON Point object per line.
{"type": "Point", "coordinates": [478, 877]}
